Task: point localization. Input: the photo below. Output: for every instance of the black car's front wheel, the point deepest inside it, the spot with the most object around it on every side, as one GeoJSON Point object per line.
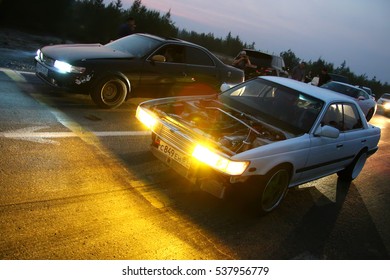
{"type": "Point", "coordinates": [110, 93]}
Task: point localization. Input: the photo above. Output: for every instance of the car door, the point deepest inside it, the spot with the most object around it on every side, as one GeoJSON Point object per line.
{"type": "Point", "coordinates": [327, 154]}
{"type": "Point", "coordinates": [161, 76]}
{"type": "Point", "coordinates": [201, 71]}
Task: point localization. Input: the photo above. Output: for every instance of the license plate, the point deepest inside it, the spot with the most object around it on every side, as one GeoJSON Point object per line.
{"type": "Point", "coordinates": [42, 69]}
{"type": "Point", "coordinates": [174, 154]}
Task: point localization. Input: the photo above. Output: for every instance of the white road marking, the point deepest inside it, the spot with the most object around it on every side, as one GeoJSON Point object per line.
{"type": "Point", "coordinates": [31, 134]}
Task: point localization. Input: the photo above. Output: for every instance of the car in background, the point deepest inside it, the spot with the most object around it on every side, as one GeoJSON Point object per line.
{"type": "Point", "coordinates": [266, 65]}
{"type": "Point", "coordinates": [260, 138]}
{"type": "Point", "coordinates": [384, 103]}
{"type": "Point", "coordinates": [366, 103]}
{"type": "Point", "coordinates": [338, 78]}
{"type": "Point", "coordinates": [369, 91]}
{"type": "Point", "coordinates": [136, 65]}
{"type": "Point", "coordinates": [333, 77]}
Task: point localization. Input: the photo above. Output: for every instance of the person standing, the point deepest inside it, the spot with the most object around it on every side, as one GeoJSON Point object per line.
{"type": "Point", "coordinates": [299, 72]}
{"type": "Point", "coordinates": [324, 77]}
{"type": "Point", "coordinates": [127, 28]}
{"type": "Point", "coordinates": [242, 61]}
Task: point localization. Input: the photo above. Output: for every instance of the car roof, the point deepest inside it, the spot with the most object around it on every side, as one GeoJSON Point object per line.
{"type": "Point", "coordinates": [386, 96]}
{"type": "Point", "coordinates": [318, 92]}
{"type": "Point", "coordinates": [348, 85]}
{"type": "Point", "coordinates": [170, 39]}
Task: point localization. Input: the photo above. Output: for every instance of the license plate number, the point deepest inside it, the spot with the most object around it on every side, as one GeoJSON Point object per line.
{"type": "Point", "coordinates": [42, 69]}
{"type": "Point", "coordinates": [172, 153]}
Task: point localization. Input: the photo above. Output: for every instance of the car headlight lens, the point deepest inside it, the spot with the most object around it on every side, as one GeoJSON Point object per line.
{"type": "Point", "coordinates": [65, 67]}
{"type": "Point", "coordinates": [146, 117]}
{"type": "Point", "coordinates": [39, 54]}
{"type": "Point", "coordinates": [205, 155]}
{"type": "Point", "coordinates": [386, 105]}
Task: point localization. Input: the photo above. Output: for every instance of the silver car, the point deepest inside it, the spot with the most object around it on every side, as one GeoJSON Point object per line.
{"type": "Point", "coordinates": [262, 137]}
{"type": "Point", "coordinates": [366, 103]}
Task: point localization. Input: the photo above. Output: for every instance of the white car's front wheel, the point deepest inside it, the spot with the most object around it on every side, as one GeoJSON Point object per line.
{"type": "Point", "coordinates": [272, 190]}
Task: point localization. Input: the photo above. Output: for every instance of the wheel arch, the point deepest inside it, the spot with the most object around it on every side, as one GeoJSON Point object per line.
{"type": "Point", "coordinates": [118, 74]}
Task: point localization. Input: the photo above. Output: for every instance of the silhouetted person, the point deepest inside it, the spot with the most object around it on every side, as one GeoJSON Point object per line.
{"type": "Point", "coordinates": [299, 72]}
{"type": "Point", "coordinates": [127, 28]}
{"type": "Point", "coordinates": [324, 77]}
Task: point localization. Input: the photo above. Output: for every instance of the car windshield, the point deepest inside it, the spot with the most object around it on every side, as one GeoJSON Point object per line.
{"type": "Point", "coordinates": [274, 104]}
{"type": "Point", "coordinates": [341, 88]}
{"type": "Point", "coordinates": [137, 45]}
{"type": "Point", "coordinates": [386, 96]}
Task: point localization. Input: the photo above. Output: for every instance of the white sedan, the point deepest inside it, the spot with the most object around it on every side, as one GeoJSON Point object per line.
{"type": "Point", "coordinates": [266, 135]}
{"type": "Point", "coordinates": [365, 101]}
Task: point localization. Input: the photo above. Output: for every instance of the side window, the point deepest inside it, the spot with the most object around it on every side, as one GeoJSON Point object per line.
{"type": "Point", "coordinates": [197, 57]}
{"type": "Point", "coordinates": [363, 94]}
{"type": "Point", "coordinates": [333, 116]}
{"type": "Point", "coordinates": [352, 118]}
{"type": "Point", "coordinates": [172, 53]}
{"type": "Point", "coordinates": [344, 117]}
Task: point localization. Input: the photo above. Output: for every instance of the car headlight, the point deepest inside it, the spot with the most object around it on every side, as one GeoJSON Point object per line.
{"type": "Point", "coordinates": [65, 67]}
{"type": "Point", "coordinates": [386, 105]}
{"type": "Point", "coordinates": [39, 54]}
{"type": "Point", "coordinates": [146, 117]}
{"type": "Point", "coordinates": [205, 155]}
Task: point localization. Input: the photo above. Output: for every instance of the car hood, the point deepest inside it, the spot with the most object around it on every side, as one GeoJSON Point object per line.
{"type": "Point", "coordinates": [208, 119]}
{"type": "Point", "coordinates": [73, 52]}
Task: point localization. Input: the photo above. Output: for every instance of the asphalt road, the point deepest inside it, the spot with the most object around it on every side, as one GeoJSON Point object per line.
{"type": "Point", "coordinates": [78, 182]}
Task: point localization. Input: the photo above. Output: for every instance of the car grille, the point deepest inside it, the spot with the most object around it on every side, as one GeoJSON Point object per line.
{"type": "Point", "coordinates": [47, 60]}
{"type": "Point", "coordinates": [175, 137]}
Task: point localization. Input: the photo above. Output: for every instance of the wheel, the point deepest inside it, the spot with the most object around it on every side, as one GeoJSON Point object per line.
{"type": "Point", "coordinates": [272, 190]}
{"type": "Point", "coordinates": [110, 93]}
{"type": "Point", "coordinates": [353, 170]}
{"type": "Point", "coordinates": [370, 113]}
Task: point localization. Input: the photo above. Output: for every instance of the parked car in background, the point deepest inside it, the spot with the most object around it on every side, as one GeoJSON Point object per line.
{"type": "Point", "coordinates": [135, 65]}
{"type": "Point", "coordinates": [261, 137]}
{"type": "Point", "coordinates": [384, 103]}
{"type": "Point", "coordinates": [333, 77]}
{"type": "Point", "coordinates": [266, 65]}
{"type": "Point", "coordinates": [338, 78]}
{"type": "Point", "coordinates": [369, 91]}
{"type": "Point", "coordinates": [366, 103]}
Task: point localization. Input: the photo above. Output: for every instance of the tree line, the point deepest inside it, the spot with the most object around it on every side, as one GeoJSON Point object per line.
{"type": "Point", "coordinates": [92, 21]}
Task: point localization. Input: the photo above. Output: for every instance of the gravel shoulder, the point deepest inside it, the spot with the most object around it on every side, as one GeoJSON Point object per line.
{"type": "Point", "coordinates": [18, 49]}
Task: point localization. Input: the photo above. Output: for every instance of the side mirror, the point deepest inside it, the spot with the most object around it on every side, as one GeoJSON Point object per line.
{"type": "Point", "coordinates": [158, 58]}
{"type": "Point", "coordinates": [361, 98]}
{"type": "Point", "coordinates": [327, 131]}
{"type": "Point", "coordinates": [224, 87]}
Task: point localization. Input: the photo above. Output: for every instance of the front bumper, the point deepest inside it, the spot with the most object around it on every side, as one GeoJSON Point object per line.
{"type": "Point", "coordinates": [198, 174]}
{"type": "Point", "coordinates": [68, 81]}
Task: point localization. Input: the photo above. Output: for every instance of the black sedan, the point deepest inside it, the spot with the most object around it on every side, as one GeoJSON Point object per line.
{"type": "Point", "coordinates": [136, 65]}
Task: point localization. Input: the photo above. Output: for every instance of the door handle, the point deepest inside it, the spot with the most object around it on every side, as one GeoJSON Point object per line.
{"type": "Point", "coordinates": [339, 145]}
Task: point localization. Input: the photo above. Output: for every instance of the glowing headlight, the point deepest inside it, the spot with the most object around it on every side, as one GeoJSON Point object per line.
{"type": "Point", "coordinates": [65, 67]}
{"type": "Point", "coordinates": [386, 105]}
{"type": "Point", "coordinates": [146, 117]}
{"type": "Point", "coordinates": [218, 162]}
{"type": "Point", "coordinates": [39, 54]}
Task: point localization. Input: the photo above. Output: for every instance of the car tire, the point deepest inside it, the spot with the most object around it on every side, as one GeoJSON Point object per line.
{"type": "Point", "coordinates": [370, 113]}
{"type": "Point", "coordinates": [353, 170]}
{"type": "Point", "coordinates": [110, 93]}
{"type": "Point", "coordinates": [273, 188]}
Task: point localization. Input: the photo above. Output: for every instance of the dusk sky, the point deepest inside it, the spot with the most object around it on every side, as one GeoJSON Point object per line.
{"type": "Point", "coordinates": [357, 31]}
